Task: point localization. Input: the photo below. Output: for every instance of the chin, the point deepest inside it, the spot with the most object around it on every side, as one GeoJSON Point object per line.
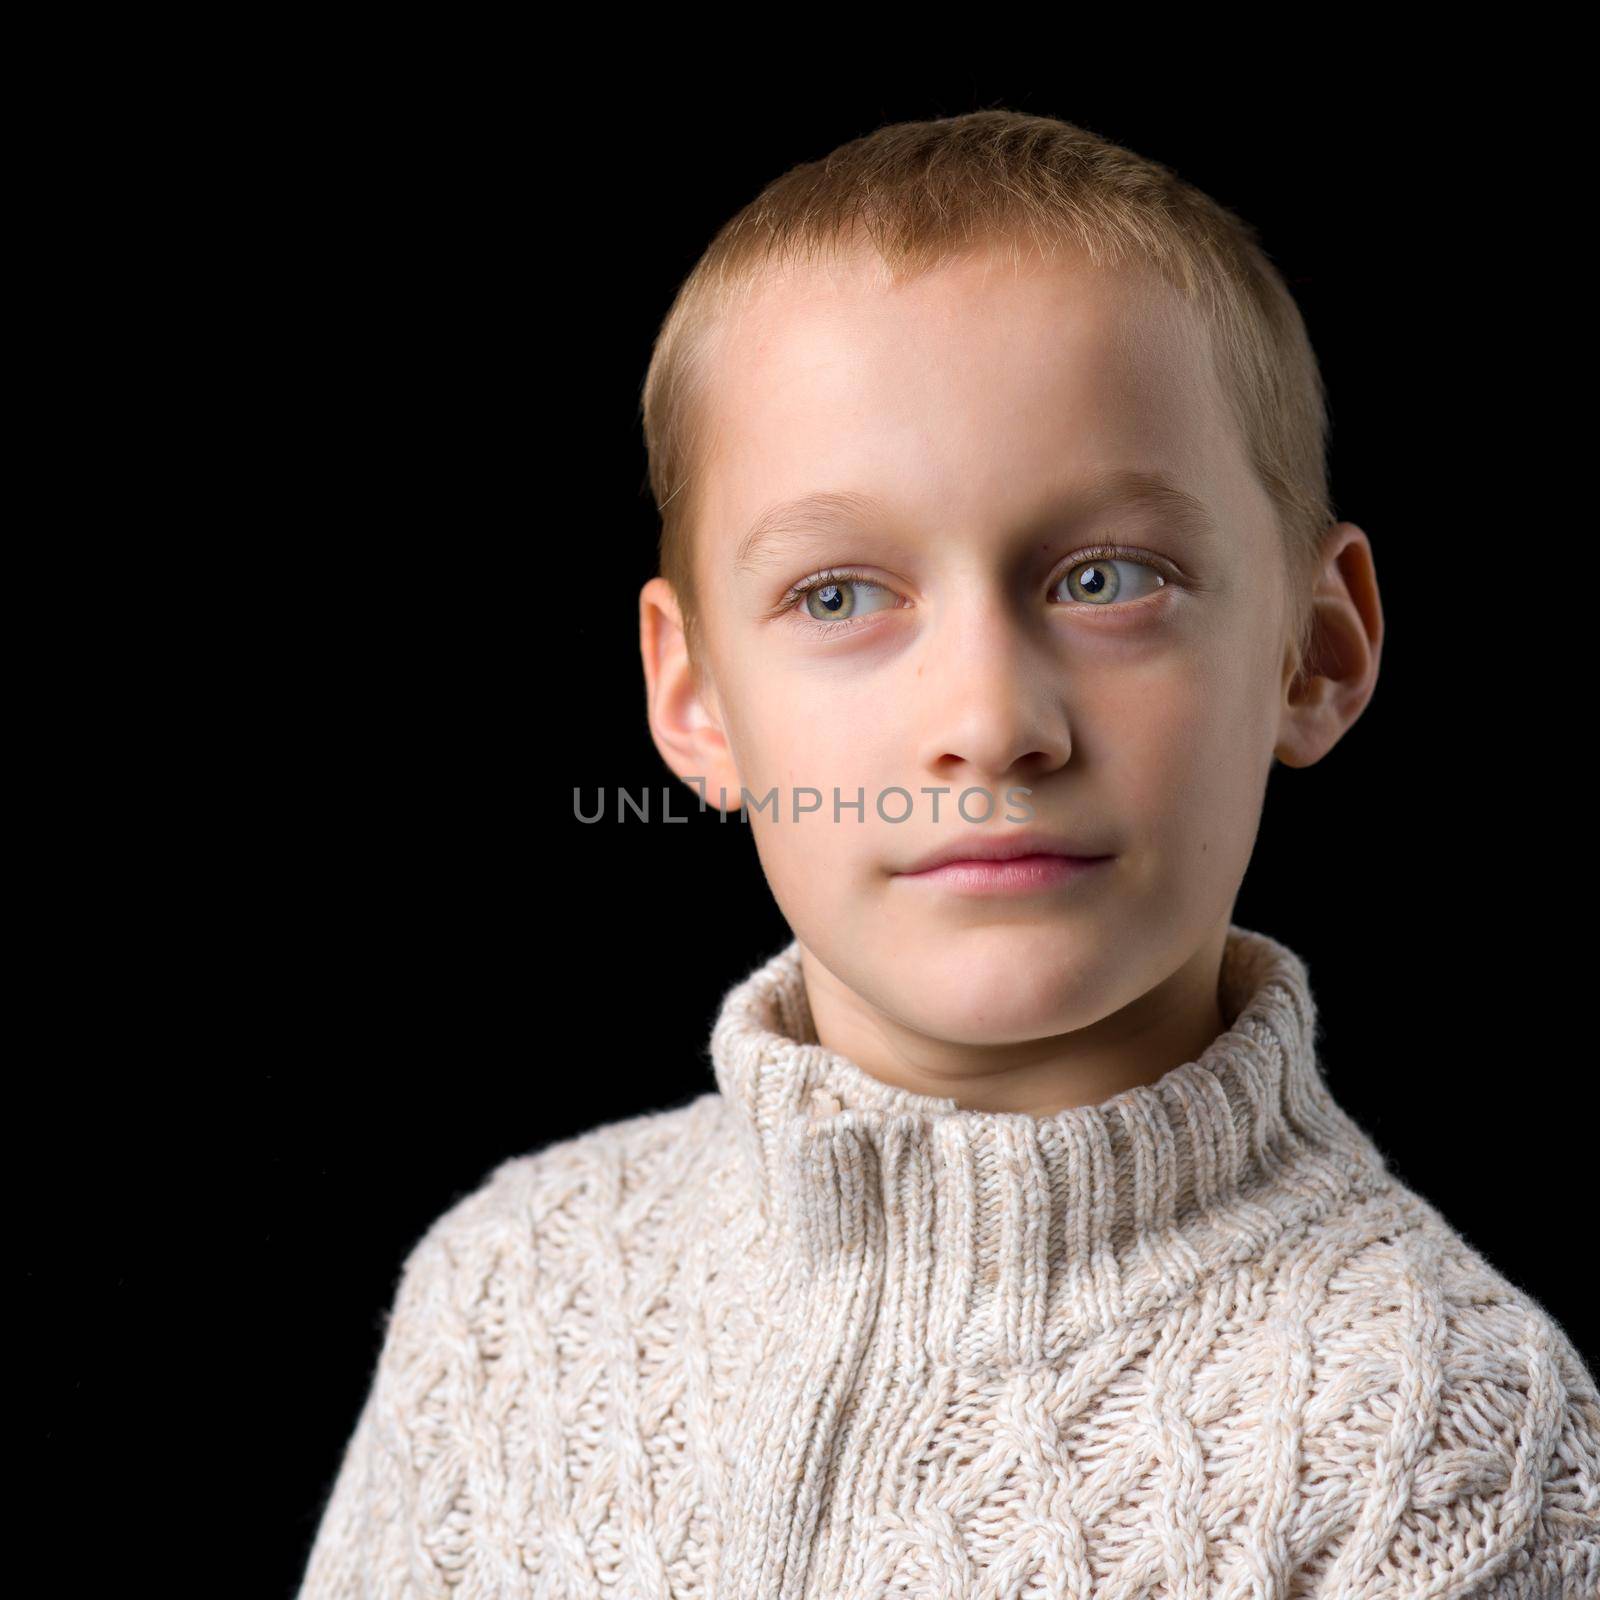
{"type": "Point", "coordinates": [1005, 982]}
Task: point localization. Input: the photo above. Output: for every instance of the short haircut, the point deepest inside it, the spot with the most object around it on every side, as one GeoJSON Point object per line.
{"type": "Point", "coordinates": [922, 194]}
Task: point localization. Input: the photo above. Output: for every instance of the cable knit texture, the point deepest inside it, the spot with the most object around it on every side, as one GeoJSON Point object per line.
{"type": "Point", "coordinates": [815, 1336]}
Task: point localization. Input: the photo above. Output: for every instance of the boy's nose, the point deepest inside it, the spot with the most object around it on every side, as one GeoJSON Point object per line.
{"type": "Point", "coordinates": [991, 701]}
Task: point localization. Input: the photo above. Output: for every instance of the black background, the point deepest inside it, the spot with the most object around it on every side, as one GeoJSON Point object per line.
{"type": "Point", "coordinates": [363, 952]}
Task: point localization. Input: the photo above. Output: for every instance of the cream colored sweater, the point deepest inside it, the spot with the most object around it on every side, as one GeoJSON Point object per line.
{"type": "Point", "coordinates": [814, 1336]}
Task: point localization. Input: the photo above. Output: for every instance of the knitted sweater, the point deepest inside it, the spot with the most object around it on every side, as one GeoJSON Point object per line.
{"type": "Point", "coordinates": [815, 1336]}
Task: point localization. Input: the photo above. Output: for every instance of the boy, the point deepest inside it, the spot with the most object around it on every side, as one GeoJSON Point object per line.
{"type": "Point", "coordinates": [1021, 1249]}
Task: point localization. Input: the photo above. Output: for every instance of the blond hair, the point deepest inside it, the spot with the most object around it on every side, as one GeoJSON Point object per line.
{"type": "Point", "coordinates": [922, 193]}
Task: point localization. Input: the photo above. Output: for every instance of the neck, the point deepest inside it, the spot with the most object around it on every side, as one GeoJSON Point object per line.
{"type": "Point", "coordinates": [1136, 1044]}
{"type": "Point", "coordinates": [995, 1237]}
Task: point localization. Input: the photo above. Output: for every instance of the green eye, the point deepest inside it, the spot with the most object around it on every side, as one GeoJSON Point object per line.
{"type": "Point", "coordinates": [1100, 580]}
{"type": "Point", "coordinates": [836, 599]}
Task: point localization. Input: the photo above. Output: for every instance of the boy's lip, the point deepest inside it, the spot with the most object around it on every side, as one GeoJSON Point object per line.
{"type": "Point", "coordinates": [1006, 846]}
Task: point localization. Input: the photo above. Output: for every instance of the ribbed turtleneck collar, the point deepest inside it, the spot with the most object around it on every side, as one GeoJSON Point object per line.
{"type": "Point", "coordinates": [1003, 1238]}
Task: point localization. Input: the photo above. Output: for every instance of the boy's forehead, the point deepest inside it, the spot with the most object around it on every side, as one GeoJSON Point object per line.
{"type": "Point", "coordinates": [976, 379]}
{"type": "Point", "coordinates": [857, 296]}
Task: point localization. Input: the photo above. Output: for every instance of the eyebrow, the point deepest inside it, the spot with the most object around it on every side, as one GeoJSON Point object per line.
{"type": "Point", "coordinates": [838, 511]}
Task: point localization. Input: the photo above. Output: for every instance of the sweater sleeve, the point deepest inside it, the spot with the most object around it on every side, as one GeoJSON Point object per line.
{"type": "Point", "coordinates": [1559, 1558]}
{"type": "Point", "coordinates": [376, 1538]}
{"type": "Point", "coordinates": [360, 1549]}
{"type": "Point", "coordinates": [1504, 1502]}
{"type": "Point", "coordinates": [1465, 1464]}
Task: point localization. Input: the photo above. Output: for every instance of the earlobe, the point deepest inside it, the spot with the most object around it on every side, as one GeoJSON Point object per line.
{"type": "Point", "coordinates": [1333, 684]}
{"type": "Point", "coordinates": [681, 704]}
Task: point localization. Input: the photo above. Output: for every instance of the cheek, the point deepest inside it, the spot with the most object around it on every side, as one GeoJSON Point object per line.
{"type": "Point", "coordinates": [798, 732]}
{"type": "Point", "coordinates": [790, 737]}
{"type": "Point", "coordinates": [1177, 754]}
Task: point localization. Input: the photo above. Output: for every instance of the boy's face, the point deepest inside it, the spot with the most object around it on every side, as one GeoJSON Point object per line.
{"type": "Point", "coordinates": [976, 405]}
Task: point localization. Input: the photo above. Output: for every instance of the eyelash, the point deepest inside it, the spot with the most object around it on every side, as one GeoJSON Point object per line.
{"type": "Point", "coordinates": [1101, 552]}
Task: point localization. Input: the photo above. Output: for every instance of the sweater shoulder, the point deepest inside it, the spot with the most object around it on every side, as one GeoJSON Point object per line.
{"type": "Point", "coordinates": [504, 1304]}
{"type": "Point", "coordinates": [604, 1178]}
{"type": "Point", "coordinates": [550, 1240]}
{"type": "Point", "coordinates": [1461, 1419]}
{"type": "Point", "coordinates": [622, 1194]}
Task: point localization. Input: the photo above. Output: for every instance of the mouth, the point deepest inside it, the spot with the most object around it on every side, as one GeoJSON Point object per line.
{"type": "Point", "coordinates": [1013, 862]}
{"type": "Point", "coordinates": [1017, 874]}
{"type": "Point", "coordinates": [1009, 844]}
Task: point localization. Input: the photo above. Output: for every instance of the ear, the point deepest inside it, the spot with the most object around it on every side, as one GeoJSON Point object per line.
{"type": "Point", "coordinates": [681, 703]}
{"type": "Point", "coordinates": [1336, 679]}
